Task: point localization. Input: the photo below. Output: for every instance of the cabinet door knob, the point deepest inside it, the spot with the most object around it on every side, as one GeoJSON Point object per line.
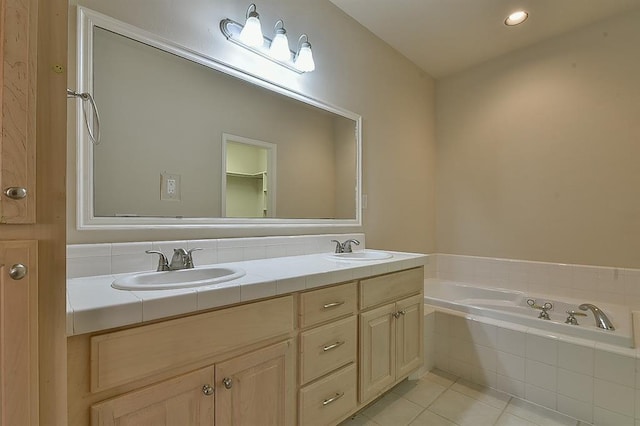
{"type": "Point", "coordinates": [227, 382]}
{"type": "Point", "coordinates": [18, 271]}
{"type": "Point", "coordinates": [207, 390]}
{"type": "Point", "coordinates": [15, 192]}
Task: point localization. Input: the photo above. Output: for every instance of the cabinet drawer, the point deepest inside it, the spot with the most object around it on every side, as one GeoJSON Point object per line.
{"type": "Point", "coordinates": [328, 347]}
{"type": "Point", "coordinates": [329, 400]}
{"type": "Point", "coordinates": [128, 355]}
{"type": "Point", "coordinates": [390, 287]}
{"type": "Point", "coordinates": [328, 303]}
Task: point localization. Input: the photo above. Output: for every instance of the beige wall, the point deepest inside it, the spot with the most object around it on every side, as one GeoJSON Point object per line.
{"type": "Point", "coordinates": [354, 70]}
{"type": "Point", "coordinates": [539, 151]}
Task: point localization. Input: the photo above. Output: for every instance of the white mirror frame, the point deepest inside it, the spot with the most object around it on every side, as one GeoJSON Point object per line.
{"type": "Point", "coordinates": [86, 219]}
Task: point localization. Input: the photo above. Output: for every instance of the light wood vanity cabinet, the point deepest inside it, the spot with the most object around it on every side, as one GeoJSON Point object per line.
{"type": "Point", "coordinates": [253, 364]}
{"type": "Point", "coordinates": [328, 355]}
{"type": "Point", "coordinates": [391, 335]}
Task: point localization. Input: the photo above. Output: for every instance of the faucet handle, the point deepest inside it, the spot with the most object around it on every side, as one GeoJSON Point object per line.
{"type": "Point", "coordinates": [339, 247]}
{"type": "Point", "coordinates": [163, 264]}
{"type": "Point", "coordinates": [190, 264]}
{"type": "Point", "coordinates": [571, 319]}
{"type": "Point", "coordinates": [347, 245]}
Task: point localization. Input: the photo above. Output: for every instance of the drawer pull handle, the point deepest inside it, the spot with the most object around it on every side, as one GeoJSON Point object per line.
{"type": "Point", "coordinates": [332, 305]}
{"type": "Point", "coordinates": [396, 315]}
{"type": "Point", "coordinates": [207, 390]}
{"type": "Point", "coordinates": [332, 346]}
{"type": "Point", "coordinates": [332, 399]}
{"type": "Point", "coordinates": [227, 382]}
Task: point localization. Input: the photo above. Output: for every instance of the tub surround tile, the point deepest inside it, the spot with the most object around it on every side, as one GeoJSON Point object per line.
{"type": "Point", "coordinates": [536, 414]}
{"type": "Point", "coordinates": [541, 347]}
{"type": "Point", "coordinates": [511, 366]}
{"type": "Point", "coordinates": [511, 386]}
{"type": "Point", "coordinates": [511, 341]}
{"type": "Point", "coordinates": [575, 385]}
{"type": "Point", "coordinates": [541, 375]}
{"type": "Point", "coordinates": [615, 367]}
{"type": "Point", "coordinates": [614, 397]}
{"type": "Point", "coordinates": [540, 396]}
{"type": "Point", "coordinates": [584, 282]}
{"type": "Point", "coordinates": [603, 417]}
{"type": "Point", "coordinates": [577, 357]}
{"type": "Point", "coordinates": [574, 408]}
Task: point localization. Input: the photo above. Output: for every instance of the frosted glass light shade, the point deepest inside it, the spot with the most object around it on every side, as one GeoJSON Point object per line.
{"type": "Point", "coordinates": [251, 34]}
{"type": "Point", "coordinates": [279, 48]}
{"type": "Point", "coordinates": [304, 59]}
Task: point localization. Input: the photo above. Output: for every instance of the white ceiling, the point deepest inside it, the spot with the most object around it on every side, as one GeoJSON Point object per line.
{"type": "Point", "coordinates": [446, 36]}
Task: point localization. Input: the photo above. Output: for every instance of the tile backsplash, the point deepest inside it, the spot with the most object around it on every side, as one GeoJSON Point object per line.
{"type": "Point", "coordinates": [606, 284]}
{"type": "Point", "coordinates": [85, 260]}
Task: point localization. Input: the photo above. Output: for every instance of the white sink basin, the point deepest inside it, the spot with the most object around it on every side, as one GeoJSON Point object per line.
{"type": "Point", "coordinates": [183, 278]}
{"type": "Point", "coordinates": [362, 255]}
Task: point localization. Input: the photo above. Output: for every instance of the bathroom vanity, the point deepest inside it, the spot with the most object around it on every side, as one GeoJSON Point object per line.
{"type": "Point", "coordinates": [313, 356]}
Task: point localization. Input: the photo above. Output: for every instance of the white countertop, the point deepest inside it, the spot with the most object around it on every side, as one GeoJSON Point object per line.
{"type": "Point", "coordinates": [93, 305]}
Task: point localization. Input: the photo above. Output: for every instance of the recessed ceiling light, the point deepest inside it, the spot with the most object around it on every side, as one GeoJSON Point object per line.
{"type": "Point", "coordinates": [516, 18]}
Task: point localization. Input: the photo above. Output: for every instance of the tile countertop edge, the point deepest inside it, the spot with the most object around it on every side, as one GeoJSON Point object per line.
{"type": "Point", "coordinates": [93, 305]}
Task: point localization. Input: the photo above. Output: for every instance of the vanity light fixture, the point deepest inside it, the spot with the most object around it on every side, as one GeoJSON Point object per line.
{"type": "Point", "coordinates": [304, 58]}
{"type": "Point", "coordinates": [251, 33]}
{"type": "Point", "coordinates": [276, 50]}
{"type": "Point", "coordinates": [516, 18]}
{"type": "Point", "coordinates": [279, 48]}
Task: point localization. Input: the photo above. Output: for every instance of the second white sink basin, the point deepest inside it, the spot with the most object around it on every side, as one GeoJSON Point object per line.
{"type": "Point", "coordinates": [183, 278]}
{"type": "Point", "coordinates": [362, 255]}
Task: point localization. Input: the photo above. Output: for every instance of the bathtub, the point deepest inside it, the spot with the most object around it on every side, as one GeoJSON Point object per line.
{"type": "Point", "coordinates": [511, 306]}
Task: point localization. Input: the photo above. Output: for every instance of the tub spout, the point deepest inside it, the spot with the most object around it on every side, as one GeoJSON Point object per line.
{"type": "Point", "coordinates": [602, 321]}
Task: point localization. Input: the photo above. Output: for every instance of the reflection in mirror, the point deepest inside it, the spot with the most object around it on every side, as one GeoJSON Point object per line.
{"type": "Point", "coordinates": [166, 116]}
{"type": "Point", "coordinates": [248, 186]}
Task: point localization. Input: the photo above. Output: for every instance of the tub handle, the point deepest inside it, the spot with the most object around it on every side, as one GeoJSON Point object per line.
{"type": "Point", "coordinates": [571, 319]}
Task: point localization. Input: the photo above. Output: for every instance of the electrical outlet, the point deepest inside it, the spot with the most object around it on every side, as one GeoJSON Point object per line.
{"type": "Point", "coordinates": [169, 186]}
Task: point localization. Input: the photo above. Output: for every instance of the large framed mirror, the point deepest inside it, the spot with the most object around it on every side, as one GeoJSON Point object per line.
{"type": "Point", "coordinates": [167, 115]}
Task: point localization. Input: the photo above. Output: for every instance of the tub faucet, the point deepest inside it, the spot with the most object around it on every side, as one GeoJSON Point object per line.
{"type": "Point", "coordinates": [601, 319]}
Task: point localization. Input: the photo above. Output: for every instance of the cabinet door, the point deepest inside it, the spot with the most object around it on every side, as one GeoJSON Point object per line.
{"type": "Point", "coordinates": [175, 402]}
{"type": "Point", "coordinates": [257, 388]}
{"type": "Point", "coordinates": [409, 335]}
{"type": "Point", "coordinates": [377, 351]}
{"type": "Point", "coordinates": [18, 333]}
{"type": "Point", "coordinates": [18, 47]}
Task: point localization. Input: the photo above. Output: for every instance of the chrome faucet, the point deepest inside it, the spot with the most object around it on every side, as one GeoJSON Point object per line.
{"type": "Point", "coordinates": [181, 259]}
{"type": "Point", "coordinates": [602, 321]}
{"type": "Point", "coordinates": [346, 246]}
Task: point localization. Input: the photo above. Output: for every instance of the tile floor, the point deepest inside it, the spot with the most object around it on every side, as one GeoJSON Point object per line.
{"type": "Point", "coordinates": [439, 399]}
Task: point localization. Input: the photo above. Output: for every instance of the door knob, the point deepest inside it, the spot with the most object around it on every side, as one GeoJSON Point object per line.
{"type": "Point", "coordinates": [227, 382]}
{"type": "Point", "coordinates": [18, 271]}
